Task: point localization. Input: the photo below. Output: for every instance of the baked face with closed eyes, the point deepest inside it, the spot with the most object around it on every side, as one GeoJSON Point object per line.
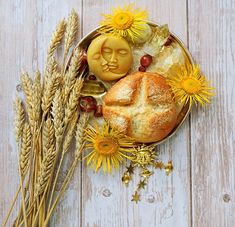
{"type": "Point", "coordinates": [109, 57]}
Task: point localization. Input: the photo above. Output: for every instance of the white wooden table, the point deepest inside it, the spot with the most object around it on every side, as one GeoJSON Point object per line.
{"type": "Point", "coordinates": [201, 190]}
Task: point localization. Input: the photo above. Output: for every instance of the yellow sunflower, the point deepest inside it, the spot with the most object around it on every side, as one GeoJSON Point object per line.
{"type": "Point", "coordinates": [126, 22]}
{"type": "Point", "coordinates": [189, 85]}
{"type": "Point", "coordinates": [108, 147]}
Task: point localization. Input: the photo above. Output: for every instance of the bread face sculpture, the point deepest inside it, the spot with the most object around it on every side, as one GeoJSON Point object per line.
{"type": "Point", "coordinates": [141, 105]}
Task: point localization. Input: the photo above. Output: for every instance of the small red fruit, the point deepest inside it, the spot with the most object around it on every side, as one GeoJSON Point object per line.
{"type": "Point", "coordinates": [87, 103]}
{"type": "Point", "coordinates": [146, 60]}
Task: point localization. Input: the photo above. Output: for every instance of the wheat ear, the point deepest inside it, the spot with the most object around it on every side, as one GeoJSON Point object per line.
{"type": "Point", "coordinates": [48, 135]}
{"type": "Point", "coordinates": [51, 67]}
{"type": "Point", "coordinates": [19, 118]}
{"type": "Point", "coordinates": [45, 171]}
{"type": "Point", "coordinates": [27, 85]}
{"type": "Point", "coordinates": [49, 91]}
{"type": "Point", "coordinates": [36, 97]}
{"type": "Point", "coordinates": [70, 33]}
{"type": "Point", "coordinates": [24, 163]}
{"type": "Point", "coordinates": [25, 149]}
{"type": "Point", "coordinates": [70, 76]}
{"type": "Point", "coordinates": [56, 38]}
{"type": "Point", "coordinates": [58, 115]}
{"type": "Point", "coordinates": [73, 100]}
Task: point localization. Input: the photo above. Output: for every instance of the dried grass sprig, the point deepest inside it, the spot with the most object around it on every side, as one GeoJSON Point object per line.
{"type": "Point", "coordinates": [73, 100]}
{"type": "Point", "coordinates": [56, 38]}
{"type": "Point", "coordinates": [19, 118]}
{"type": "Point", "coordinates": [70, 33]}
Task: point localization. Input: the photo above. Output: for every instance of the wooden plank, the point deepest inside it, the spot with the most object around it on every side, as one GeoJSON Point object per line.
{"type": "Point", "coordinates": [166, 201]}
{"type": "Point", "coordinates": [211, 40]}
{"type": "Point", "coordinates": [17, 48]}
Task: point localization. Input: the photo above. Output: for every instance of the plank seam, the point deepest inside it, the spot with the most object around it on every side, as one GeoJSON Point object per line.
{"type": "Point", "coordinates": [190, 128]}
{"type": "Point", "coordinates": [81, 202]}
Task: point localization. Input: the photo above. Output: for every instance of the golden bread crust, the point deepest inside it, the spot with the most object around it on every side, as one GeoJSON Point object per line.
{"type": "Point", "coordinates": [124, 93]}
{"type": "Point", "coordinates": [142, 106]}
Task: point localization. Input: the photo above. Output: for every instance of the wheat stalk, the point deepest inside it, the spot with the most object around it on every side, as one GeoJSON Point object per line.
{"type": "Point", "coordinates": [73, 100]}
{"type": "Point", "coordinates": [49, 91]}
{"type": "Point", "coordinates": [56, 38]}
{"type": "Point", "coordinates": [45, 171]}
{"type": "Point", "coordinates": [52, 119]}
{"type": "Point", "coordinates": [70, 132]}
{"type": "Point", "coordinates": [69, 82]}
{"type": "Point", "coordinates": [19, 118]}
{"type": "Point", "coordinates": [70, 33]}
{"type": "Point", "coordinates": [25, 149]}
{"type": "Point", "coordinates": [81, 125]}
{"type": "Point", "coordinates": [22, 130]}
{"type": "Point", "coordinates": [58, 115]}
{"type": "Point", "coordinates": [66, 144]}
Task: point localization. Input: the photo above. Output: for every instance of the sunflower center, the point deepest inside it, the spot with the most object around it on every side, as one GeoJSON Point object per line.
{"type": "Point", "coordinates": [191, 85]}
{"type": "Point", "coordinates": [123, 20]}
{"type": "Point", "coordinates": [107, 145]}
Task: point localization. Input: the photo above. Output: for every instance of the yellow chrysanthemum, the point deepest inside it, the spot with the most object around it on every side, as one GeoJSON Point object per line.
{"type": "Point", "coordinates": [189, 85]}
{"type": "Point", "coordinates": [126, 22]}
{"type": "Point", "coordinates": [109, 147]}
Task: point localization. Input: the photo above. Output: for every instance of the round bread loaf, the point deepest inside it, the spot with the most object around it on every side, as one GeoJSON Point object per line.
{"type": "Point", "coordinates": [141, 105]}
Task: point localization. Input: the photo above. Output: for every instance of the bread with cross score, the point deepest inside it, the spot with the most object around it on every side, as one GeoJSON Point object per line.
{"type": "Point", "coordinates": [142, 106]}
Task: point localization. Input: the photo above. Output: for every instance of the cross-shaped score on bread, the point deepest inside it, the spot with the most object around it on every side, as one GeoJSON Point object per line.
{"type": "Point", "coordinates": [142, 106]}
